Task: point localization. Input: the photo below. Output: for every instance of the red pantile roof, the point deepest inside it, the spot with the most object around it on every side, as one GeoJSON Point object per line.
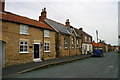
{"type": "Point", "coordinates": [20, 19]}
{"type": "Point", "coordinates": [96, 44]}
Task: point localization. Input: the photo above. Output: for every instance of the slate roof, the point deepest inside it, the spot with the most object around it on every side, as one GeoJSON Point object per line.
{"type": "Point", "coordinates": [61, 28]}
{"type": "Point", "coordinates": [24, 20]}
{"type": "Point", "coordinates": [79, 32]}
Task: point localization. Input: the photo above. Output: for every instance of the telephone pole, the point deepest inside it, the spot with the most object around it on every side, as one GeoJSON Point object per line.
{"type": "Point", "coordinates": [97, 35]}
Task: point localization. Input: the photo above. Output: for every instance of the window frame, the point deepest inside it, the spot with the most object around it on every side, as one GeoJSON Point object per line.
{"type": "Point", "coordinates": [46, 33]}
{"type": "Point", "coordinates": [23, 29]}
{"type": "Point", "coordinates": [23, 47]}
{"type": "Point", "coordinates": [65, 43]}
{"type": "Point", "coordinates": [89, 40]}
{"type": "Point", "coordinates": [72, 42]}
{"type": "Point", "coordinates": [85, 38]}
{"type": "Point", "coordinates": [77, 43]}
{"type": "Point", "coordinates": [45, 46]}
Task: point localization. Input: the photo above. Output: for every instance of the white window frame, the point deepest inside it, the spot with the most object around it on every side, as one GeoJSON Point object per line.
{"type": "Point", "coordinates": [89, 40]}
{"type": "Point", "coordinates": [23, 29]}
{"type": "Point", "coordinates": [65, 42]}
{"type": "Point", "coordinates": [45, 50]}
{"type": "Point", "coordinates": [73, 45]}
{"type": "Point", "coordinates": [46, 33]}
{"type": "Point", "coordinates": [85, 38]}
{"type": "Point", "coordinates": [23, 47]}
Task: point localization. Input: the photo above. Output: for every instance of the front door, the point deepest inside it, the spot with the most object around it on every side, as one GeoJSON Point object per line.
{"type": "Point", "coordinates": [2, 55]}
{"type": "Point", "coordinates": [36, 51]}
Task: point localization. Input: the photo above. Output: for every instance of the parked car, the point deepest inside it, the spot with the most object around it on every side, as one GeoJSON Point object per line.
{"type": "Point", "coordinates": [98, 52]}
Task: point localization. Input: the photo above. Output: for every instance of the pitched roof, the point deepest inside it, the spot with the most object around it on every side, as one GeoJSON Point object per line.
{"type": "Point", "coordinates": [80, 32]}
{"type": "Point", "coordinates": [96, 44]}
{"type": "Point", "coordinates": [24, 20]}
{"type": "Point", "coordinates": [58, 26]}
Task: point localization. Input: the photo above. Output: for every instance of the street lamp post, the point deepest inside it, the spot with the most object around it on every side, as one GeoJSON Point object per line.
{"type": "Point", "coordinates": [97, 37]}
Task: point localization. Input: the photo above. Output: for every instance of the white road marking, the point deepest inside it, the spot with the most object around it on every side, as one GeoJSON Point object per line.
{"type": "Point", "coordinates": [111, 66]}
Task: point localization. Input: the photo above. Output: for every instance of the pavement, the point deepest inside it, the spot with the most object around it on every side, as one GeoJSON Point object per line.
{"type": "Point", "coordinates": [18, 69]}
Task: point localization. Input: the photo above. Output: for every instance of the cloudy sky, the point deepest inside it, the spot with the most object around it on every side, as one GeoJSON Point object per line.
{"type": "Point", "coordinates": [91, 15]}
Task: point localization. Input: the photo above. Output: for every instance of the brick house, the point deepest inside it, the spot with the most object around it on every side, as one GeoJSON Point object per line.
{"type": "Point", "coordinates": [25, 40]}
{"type": "Point", "coordinates": [86, 41]}
{"type": "Point", "coordinates": [67, 40]}
{"type": "Point", "coordinates": [105, 47]}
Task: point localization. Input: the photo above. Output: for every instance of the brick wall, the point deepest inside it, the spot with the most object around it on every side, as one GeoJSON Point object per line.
{"type": "Point", "coordinates": [11, 35]}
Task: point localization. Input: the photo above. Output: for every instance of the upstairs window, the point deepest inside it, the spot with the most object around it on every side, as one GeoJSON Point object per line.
{"type": "Point", "coordinates": [46, 33]}
{"type": "Point", "coordinates": [72, 39]}
{"type": "Point", "coordinates": [66, 42]}
{"type": "Point", "coordinates": [85, 38]}
{"type": "Point", "coordinates": [89, 40]}
{"type": "Point", "coordinates": [23, 29]}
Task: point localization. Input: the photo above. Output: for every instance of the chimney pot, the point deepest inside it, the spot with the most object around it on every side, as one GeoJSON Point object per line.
{"type": "Point", "coordinates": [67, 20]}
{"type": "Point", "coordinates": [2, 4]}
{"type": "Point", "coordinates": [44, 9]}
{"type": "Point", "coordinates": [80, 29]}
{"type": "Point", "coordinates": [43, 15]}
{"type": "Point", "coordinates": [67, 23]}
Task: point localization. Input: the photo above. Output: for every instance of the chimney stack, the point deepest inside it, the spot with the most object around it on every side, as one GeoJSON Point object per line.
{"type": "Point", "coordinates": [2, 4]}
{"type": "Point", "coordinates": [67, 23]}
{"type": "Point", "coordinates": [81, 29]}
{"type": "Point", "coordinates": [43, 15]}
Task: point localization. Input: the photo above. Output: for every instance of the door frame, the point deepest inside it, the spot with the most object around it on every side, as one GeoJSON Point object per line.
{"type": "Point", "coordinates": [37, 59]}
{"type": "Point", "coordinates": [3, 55]}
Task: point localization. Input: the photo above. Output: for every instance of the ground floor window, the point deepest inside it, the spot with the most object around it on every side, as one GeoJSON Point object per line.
{"type": "Point", "coordinates": [66, 42]}
{"type": "Point", "coordinates": [46, 47]}
{"type": "Point", "coordinates": [77, 43]}
{"type": "Point", "coordinates": [23, 47]}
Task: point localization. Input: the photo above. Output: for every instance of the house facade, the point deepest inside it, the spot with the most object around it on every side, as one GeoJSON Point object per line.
{"type": "Point", "coordinates": [86, 41]}
{"type": "Point", "coordinates": [66, 39]}
{"type": "Point", "coordinates": [25, 40]}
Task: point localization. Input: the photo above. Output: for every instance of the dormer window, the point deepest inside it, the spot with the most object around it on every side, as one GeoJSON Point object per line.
{"type": "Point", "coordinates": [46, 33]}
{"type": "Point", "coordinates": [23, 29]}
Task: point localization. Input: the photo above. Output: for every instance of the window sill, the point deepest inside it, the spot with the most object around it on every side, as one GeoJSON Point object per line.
{"type": "Point", "coordinates": [46, 36]}
{"type": "Point", "coordinates": [24, 34]}
{"type": "Point", "coordinates": [66, 48]}
{"type": "Point", "coordinates": [46, 51]}
{"type": "Point", "coordinates": [23, 52]}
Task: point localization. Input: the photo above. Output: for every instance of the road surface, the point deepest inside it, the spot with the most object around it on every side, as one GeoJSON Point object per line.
{"type": "Point", "coordinates": [94, 67]}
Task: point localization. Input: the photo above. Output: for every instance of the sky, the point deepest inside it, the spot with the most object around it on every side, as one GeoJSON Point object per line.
{"type": "Point", "coordinates": [91, 15]}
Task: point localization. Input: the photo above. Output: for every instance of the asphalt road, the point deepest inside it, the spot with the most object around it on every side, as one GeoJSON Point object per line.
{"type": "Point", "coordinates": [95, 67]}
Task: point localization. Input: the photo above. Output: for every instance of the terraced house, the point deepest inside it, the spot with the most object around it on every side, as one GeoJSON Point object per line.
{"type": "Point", "coordinates": [25, 40]}
{"type": "Point", "coordinates": [67, 40]}
{"type": "Point", "coordinates": [86, 41]}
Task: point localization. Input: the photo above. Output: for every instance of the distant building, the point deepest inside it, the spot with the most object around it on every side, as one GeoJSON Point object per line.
{"type": "Point", "coordinates": [86, 41]}
{"type": "Point", "coordinates": [97, 46]}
